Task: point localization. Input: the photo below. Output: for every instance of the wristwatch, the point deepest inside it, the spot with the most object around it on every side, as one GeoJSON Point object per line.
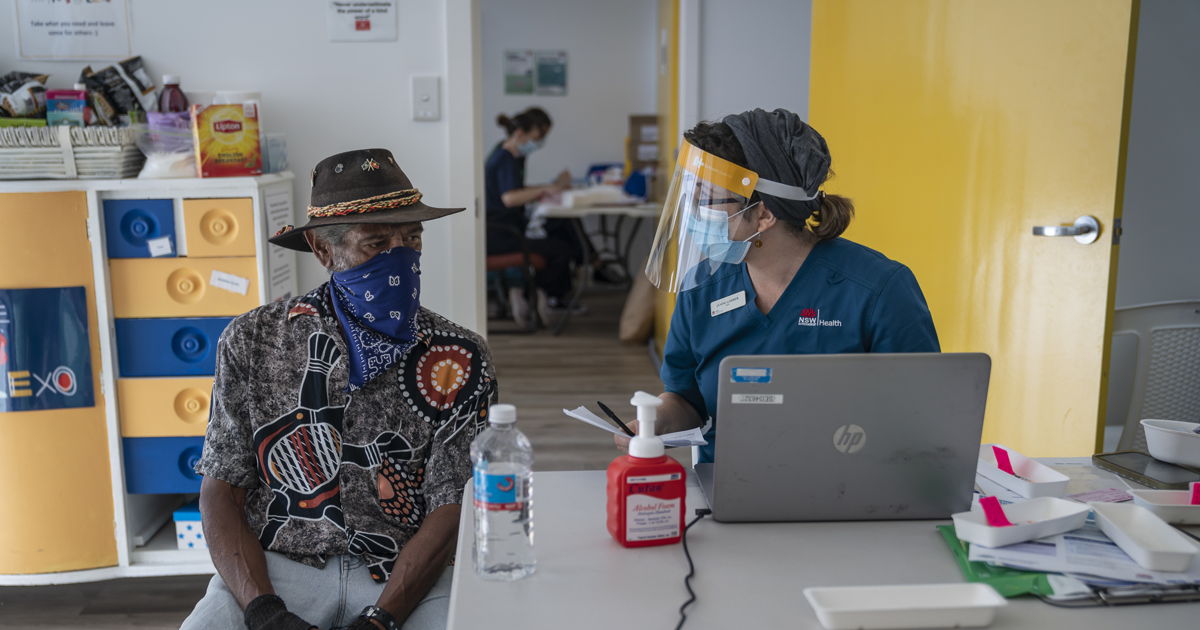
{"type": "Point", "coordinates": [382, 616]}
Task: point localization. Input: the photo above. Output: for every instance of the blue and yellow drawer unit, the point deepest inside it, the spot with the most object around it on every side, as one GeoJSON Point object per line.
{"type": "Point", "coordinates": [179, 271]}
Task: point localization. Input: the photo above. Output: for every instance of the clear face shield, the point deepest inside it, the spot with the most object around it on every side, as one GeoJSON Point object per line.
{"type": "Point", "coordinates": [707, 219]}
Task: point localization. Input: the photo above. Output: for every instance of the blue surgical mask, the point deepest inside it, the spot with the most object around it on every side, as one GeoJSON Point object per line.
{"type": "Point", "coordinates": [529, 146]}
{"type": "Point", "coordinates": [377, 304]}
{"type": "Point", "coordinates": [710, 228]}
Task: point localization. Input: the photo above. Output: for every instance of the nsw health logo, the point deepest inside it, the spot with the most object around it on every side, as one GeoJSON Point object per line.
{"type": "Point", "coordinates": [812, 317]}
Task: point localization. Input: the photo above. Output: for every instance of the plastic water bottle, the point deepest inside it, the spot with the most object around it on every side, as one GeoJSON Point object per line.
{"type": "Point", "coordinates": [503, 474]}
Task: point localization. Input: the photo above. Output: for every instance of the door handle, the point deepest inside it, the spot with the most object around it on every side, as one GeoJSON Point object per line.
{"type": "Point", "coordinates": [1086, 229]}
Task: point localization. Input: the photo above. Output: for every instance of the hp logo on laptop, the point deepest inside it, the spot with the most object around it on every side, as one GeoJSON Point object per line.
{"type": "Point", "coordinates": [849, 438]}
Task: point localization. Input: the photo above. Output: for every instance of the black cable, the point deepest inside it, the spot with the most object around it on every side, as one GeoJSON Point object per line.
{"type": "Point", "coordinates": [687, 581]}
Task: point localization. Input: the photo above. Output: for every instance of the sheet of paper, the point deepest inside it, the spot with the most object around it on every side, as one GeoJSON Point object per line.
{"type": "Point", "coordinates": [1085, 551]}
{"type": "Point", "coordinates": [691, 437]}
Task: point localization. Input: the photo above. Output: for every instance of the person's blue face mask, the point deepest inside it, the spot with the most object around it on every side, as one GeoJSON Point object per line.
{"type": "Point", "coordinates": [710, 229]}
{"type": "Point", "coordinates": [529, 146]}
{"type": "Point", "coordinates": [377, 304]}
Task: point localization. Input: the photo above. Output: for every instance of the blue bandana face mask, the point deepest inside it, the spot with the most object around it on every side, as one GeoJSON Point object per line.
{"type": "Point", "coordinates": [377, 303]}
{"type": "Point", "coordinates": [710, 228]}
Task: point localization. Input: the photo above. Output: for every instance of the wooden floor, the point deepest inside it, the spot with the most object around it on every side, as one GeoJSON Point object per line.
{"type": "Point", "coordinates": [540, 374]}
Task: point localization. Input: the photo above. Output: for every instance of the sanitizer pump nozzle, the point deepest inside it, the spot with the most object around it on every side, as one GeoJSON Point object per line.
{"type": "Point", "coordinates": [646, 445]}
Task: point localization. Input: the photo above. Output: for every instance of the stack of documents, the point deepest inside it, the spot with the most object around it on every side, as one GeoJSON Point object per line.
{"type": "Point", "coordinates": [691, 437]}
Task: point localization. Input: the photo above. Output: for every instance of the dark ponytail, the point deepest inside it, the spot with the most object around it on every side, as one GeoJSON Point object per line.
{"type": "Point", "coordinates": [528, 120]}
{"type": "Point", "coordinates": [832, 218]}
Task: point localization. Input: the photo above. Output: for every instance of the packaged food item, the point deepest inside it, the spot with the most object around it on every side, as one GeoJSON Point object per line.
{"type": "Point", "coordinates": [166, 139]}
{"type": "Point", "coordinates": [133, 71]}
{"type": "Point", "coordinates": [226, 140]}
{"type": "Point", "coordinates": [23, 94]}
{"type": "Point", "coordinates": [115, 90]}
{"type": "Point", "coordinates": [103, 111]}
{"type": "Point", "coordinates": [65, 107]}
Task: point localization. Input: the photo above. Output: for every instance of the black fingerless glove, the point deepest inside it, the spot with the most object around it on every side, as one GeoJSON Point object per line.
{"type": "Point", "coordinates": [268, 612]}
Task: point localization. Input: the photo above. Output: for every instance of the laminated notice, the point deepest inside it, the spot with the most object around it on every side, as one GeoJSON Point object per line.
{"type": "Point", "coordinates": [229, 282]}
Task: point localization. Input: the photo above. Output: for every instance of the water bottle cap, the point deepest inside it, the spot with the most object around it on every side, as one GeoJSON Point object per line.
{"type": "Point", "coordinates": [502, 414]}
{"type": "Point", "coordinates": [170, 79]}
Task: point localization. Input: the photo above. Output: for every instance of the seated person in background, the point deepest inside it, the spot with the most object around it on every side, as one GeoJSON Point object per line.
{"type": "Point", "coordinates": [752, 247]}
{"type": "Point", "coordinates": [338, 442]}
{"type": "Point", "coordinates": [506, 196]}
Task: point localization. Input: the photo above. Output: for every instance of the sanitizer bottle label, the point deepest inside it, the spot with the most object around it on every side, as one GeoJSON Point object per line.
{"type": "Point", "coordinates": [651, 509]}
{"type": "Point", "coordinates": [496, 492]}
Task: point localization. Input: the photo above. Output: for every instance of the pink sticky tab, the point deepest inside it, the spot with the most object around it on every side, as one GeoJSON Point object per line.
{"type": "Point", "coordinates": [1195, 486]}
{"type": "Point", "coordinates": [993, 512]}
{"type": "Point", "coordinates": [1002, 461]}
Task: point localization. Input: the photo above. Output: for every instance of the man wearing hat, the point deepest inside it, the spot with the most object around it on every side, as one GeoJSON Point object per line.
{"type": "Point", "coordinates": [338, 443]}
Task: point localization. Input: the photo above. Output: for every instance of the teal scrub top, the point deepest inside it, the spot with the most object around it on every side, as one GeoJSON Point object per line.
{"type": "Point", "coordinates": [845, 298]}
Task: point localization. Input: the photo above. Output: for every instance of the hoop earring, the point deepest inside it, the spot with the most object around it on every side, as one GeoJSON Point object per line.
{"type": "Point", "coordinates": [758, 242]}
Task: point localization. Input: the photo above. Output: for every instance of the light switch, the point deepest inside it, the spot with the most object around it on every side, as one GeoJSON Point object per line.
{"type": "Point", "coordinates": [427, 100]}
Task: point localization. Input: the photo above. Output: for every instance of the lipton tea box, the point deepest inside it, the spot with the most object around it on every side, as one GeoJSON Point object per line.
{"type": "Point", "coordinates": [226, 140]}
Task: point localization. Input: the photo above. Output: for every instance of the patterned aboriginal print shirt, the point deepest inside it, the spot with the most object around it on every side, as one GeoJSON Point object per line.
{"type": "Point", "coordinates": [330, 473]}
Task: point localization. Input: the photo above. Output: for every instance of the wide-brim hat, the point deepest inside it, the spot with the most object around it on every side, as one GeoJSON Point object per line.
{"type": "Point", "coordinates": [363, 186]}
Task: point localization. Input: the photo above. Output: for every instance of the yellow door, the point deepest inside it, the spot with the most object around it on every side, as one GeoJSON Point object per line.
{"type": "Point", "coordinates": [668, 139]}
{"type": "Point", "coordinates": [959, 126]}
{"type": "Point", "coordinates": [56, 512]}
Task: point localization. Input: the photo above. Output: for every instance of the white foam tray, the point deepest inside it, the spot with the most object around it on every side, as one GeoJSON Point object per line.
{"type": "Point", "coordinates": [1035, 518]}
{"type": "Point", "coordinates": [1144, 536]}
{"type": "Point", "coordinates": [1039, 480]}
{"type": "Point", "coordinates": [1173, 441]}
{"type": "Point", "coordinates": [1170, 505]}
{"type": "Point", "coordinates": [905, 606]}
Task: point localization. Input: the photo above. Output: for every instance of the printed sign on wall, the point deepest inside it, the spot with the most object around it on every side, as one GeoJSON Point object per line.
{"type": "Point", "coordinates": [61, 29]}
{"type": "Point", "coordinates": [45, 353]}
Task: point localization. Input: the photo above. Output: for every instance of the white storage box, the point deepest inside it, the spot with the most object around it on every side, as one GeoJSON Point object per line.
{"type": "Point", "coordinates": [1173, 441]}
{"type": "Point", "coordinates": [1034, 478]}
{"type": "Point", "coordinates": [1171, 506]}
{"type": "Point", "coordinates": [905, 606]}
{"type": "Point", "coordinates": [188, 533]}
{"type": "Point", "coordinates": [1035, 518]}
{"type": "Point", "coordinates": [1145, 537]}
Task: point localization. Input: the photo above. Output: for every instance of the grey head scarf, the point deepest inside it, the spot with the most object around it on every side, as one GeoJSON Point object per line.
{"type": "Point", "coordinates": [782, 148]}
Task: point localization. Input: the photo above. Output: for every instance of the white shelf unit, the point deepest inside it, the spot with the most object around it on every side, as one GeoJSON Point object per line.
{"type": "Point", "coordinates": [145, 539]}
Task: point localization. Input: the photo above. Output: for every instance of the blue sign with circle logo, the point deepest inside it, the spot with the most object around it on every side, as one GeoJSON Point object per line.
{"type": "Point", "coordinates": [45, 353]}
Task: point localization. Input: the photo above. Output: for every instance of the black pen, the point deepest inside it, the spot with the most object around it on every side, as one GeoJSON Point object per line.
{"type": "Point", "coordinates": [609, 412]}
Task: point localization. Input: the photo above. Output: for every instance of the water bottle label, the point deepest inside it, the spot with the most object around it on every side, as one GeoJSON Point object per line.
{"type": "Point", "coordinates": [496, 492]}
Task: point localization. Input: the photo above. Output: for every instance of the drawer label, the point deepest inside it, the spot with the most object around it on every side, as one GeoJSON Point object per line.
{"type": "Point", "coordinates": [160, 246]}
{"type": "Point", "coordinates": [229, 282]}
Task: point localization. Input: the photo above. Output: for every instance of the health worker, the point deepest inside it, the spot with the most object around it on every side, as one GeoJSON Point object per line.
{"type": "Point", "coordinates": [752, 246]}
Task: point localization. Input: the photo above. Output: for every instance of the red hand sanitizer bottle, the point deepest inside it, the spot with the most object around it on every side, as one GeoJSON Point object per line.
{"type": "Point", "coordinates": [646, 489]}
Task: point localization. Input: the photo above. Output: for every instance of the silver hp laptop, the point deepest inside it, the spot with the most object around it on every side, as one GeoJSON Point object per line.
{"type": "Point", "coordinates": [846, 436]}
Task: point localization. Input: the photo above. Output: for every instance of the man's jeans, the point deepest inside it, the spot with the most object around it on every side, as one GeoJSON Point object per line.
{"type": "Point", "coordinates": [327, 598]}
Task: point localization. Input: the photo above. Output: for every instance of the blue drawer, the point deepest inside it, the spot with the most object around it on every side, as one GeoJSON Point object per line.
{"type": "Point", "coordinates": [168, 347]}
{"type": "Point", "coordinates": [161, 465]}
{"type": "Point", "coordinates": [130, 223]}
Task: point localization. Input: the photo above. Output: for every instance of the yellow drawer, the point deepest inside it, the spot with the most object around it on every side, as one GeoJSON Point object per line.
{"type": "Point", "coordinates": [183, 287]}
{"type": "Point", "coordinates": [163, 407]}
{"type": "Point", "coordinates": [219, 227]}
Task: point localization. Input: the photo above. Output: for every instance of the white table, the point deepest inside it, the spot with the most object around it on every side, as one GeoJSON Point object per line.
{"type": "Point", "coordinates": [747, 575]}
{"type": "Point", "coordinates": [637, 212]}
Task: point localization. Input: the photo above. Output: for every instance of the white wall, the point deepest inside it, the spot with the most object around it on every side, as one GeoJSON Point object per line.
{"type": "Point", "coordinates": [326, 97]}
{"type": "Point", "coordinates": [1159, 256]}
{"type": "Point", "coordinates": [611, 51]}
{"type": "Point", "coordinates": [753, 54]}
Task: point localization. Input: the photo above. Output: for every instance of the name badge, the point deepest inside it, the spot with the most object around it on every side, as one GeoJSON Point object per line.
{"type": "Point", "coordinates": [728, 303]}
